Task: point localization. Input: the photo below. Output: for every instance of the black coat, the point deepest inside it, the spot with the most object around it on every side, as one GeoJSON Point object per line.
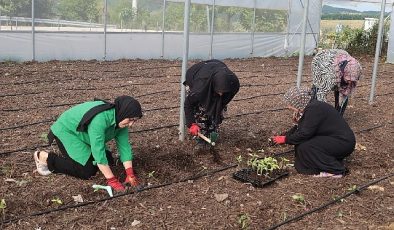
{"type": "Point", "coordinates": [322, 140]}
{"type": "Point", "coordinates": [205, 79]}
{"type": "Point", "coordinates": [321, 119]}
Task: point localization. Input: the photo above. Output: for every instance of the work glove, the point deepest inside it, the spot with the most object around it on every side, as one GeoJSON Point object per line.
{"type": "Point", "coordinates": [131, 178]}
{"type": "Point", "coordinates": [194, 129]}
{"type": "Point", "coordinates": [279, 139]}
{"type": "Point", "coordinates": [115, 184]}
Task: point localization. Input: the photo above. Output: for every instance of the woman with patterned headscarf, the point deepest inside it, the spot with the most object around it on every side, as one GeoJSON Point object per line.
{"type": "Point", "coordinates": [322, 138]}
{"type": "Point", "coordinates": [336, 70]}
{"type": "Point", "coordinates": [212, 85]}
{"type": "Point", "coordinates": [81, 134]}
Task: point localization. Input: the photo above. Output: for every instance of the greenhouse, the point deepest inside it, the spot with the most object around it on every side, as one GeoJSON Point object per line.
{"type": "Point", "coordinates": [196, 114]}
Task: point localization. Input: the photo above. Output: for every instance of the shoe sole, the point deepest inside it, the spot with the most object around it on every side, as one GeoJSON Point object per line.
{"type": "Point", "coordinates": [39, 165]}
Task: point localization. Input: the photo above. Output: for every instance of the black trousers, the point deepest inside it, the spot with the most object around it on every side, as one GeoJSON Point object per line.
{"type": "Point", "coordinates": [64, 164]}
{"type": "Point", "coordinates": [322, 154]}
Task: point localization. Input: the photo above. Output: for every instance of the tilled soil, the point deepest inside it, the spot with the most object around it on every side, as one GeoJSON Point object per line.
{"type": "Point", "coordinates": [184, 180]}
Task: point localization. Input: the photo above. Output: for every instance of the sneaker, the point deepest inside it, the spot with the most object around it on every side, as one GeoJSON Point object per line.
{"type": "Point", "coordinates": [42, 168]}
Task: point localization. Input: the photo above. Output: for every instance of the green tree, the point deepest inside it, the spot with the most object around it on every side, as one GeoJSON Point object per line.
{"type": "Point", "coordinates": [120, 12]}
{"type": "Point", "coordinates": [174, 16]}
{"type": "Point", "coordinates": [16, 8]}
{"type": "Point", "coordinates": [80, 10]}
{"type": "Point", "coordinates": [22, 8]}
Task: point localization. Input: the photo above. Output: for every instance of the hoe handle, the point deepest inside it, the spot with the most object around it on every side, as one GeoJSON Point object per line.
{"type": "Point", "coordinates": [206, 139]}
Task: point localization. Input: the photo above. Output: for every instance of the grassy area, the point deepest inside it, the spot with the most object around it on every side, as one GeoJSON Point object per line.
{"type": "Point", "coordinates": [329, 25]}
{"type": "Point", "coordinates": [327, 30]}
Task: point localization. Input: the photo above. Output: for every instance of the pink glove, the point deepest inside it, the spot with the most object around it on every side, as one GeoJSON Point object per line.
{"type": "Point", "coordinates": [279, 139]}
{"type": "Point", "coordinates": [194, 129]}
{"type": "Point", "coordinates": [115, 184]}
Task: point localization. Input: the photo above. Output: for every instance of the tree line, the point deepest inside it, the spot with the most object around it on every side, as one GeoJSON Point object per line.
{"type": "Point", "coordinates": [148, 14]}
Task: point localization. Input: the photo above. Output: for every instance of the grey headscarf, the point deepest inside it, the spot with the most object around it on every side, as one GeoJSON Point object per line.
{"type": "Point", "coordinates": [298, 97]}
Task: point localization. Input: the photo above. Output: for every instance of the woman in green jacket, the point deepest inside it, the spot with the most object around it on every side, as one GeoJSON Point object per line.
{"type": "Point", "coordinates": [81, 134]}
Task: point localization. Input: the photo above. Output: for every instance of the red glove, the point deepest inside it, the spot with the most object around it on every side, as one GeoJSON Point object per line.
{"type": "Point", "coordinates": [115, 184]}
{"type": "Point", "coordinates": [131, 178]}
{"type": "Point", "coordinates": [194, 129]}
{"type": "Point", "coordinates": [279, 139]}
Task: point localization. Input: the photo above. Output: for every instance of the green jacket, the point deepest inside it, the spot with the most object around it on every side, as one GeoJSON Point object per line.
{"type": "Point", "coordinates": [81, 145]}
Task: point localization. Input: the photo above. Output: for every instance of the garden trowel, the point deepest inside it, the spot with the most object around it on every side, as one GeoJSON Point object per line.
{"type": "Point", "coordinates": [107, 188]}
{"type": "Point", "coordinates": [213, 137]}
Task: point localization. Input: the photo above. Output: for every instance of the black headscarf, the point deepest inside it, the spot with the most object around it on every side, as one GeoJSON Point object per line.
{"type": "Point", "coordinates": [125, 107]}
{"type": "Point", "coordinates": [208, 78]}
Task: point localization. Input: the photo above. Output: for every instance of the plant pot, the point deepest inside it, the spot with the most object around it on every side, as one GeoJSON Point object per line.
{"type": "Point", "coordinates": [249, 175]}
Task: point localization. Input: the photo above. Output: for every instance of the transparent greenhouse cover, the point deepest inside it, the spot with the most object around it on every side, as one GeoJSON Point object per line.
{"type": "Point", "coordinates": [50, 42]}
{"type": "Point", "coordinates": [260, 4]}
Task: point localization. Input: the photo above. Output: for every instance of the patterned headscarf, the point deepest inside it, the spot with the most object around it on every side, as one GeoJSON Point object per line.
{"type": "Point", "coordinates": [298, 97]}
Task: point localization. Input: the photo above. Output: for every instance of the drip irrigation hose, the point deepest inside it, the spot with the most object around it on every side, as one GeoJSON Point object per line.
{"type": "Point", "coordinates": [85, 70]}
{"type": "Point", "coordinates": [19, 94]}
{"type": "Point", "coordinates": [24, 125]}
{"type": "Point", "coordinates": [357, 190]}
{"type": "Point", "coordinates": [75, 103]}
{"type": "Point", "coordinates": [175, 125]}
{"type": "Point", "coordinates": [256, 96]}
{"type": "Point", "coordinates": [194, 177]}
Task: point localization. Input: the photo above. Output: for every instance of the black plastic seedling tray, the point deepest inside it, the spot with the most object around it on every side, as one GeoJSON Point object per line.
{"type": "Point", "coordinates": [248, 175]}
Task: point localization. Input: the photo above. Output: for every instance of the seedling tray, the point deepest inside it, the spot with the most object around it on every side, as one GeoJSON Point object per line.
{"type": "Point", "coordinates": [249, 175]}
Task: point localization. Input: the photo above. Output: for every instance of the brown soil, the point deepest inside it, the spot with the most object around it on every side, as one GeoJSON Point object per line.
{"type": "Point", "coordinates": [33, 94]}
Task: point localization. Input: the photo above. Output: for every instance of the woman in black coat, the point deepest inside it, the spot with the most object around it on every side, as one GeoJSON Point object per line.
{"type": "Point", "coordinates": [212, 85]}
{"type": "Point", "coordinates": [322, 138]}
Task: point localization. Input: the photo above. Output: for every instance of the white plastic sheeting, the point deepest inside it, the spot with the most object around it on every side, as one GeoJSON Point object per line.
{"type": "Point", "coordinates": [91, 45]}
{"type": "Point", "coordinates": [390, 48]}
{"type": "Point", "coordinates": [87, 46]}
{"type": "Point", "coordinates": [260, 4]}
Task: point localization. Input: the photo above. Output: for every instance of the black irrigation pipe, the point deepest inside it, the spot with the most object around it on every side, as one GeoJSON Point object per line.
{"type": "Point", "coordinates": [153, 109]}
{"type": "Point", "coordinates": [256, 96]}
{"type": "Point", "coordinates": [25, 149]}
{"type": "Point", "coordinates": [74, 103]}
{"type": "Point", "coordinates": [25, 125]}
{"type": "Point", "coordinates": [175, 125]}
{"type": "Point", "coordinates": [63, 79]}
{"type": "Point", "coordinates": [19, 94]}
{"type": "Point", "coordinates": [194, 177]}
{"type": "Point", "coordinates": [355, 191]}
{"type": "Point", "coordinates": [117, 71]}
{"type": "Point", "coordinates": [370, 128]}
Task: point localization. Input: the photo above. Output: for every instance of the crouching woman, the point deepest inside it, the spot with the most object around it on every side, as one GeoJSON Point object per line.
{"type": "Point", "coordinates": [81, 134]}
{"type": "Point", "coordinates": [322, 138]}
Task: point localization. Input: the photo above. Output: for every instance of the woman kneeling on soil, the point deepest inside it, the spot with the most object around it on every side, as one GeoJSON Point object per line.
{"type": "Point", "coordinates": [322, 138]}
{"type": "Point", "coordinates": [81, 134]}
{"type": "Point", "coordinates": [212, 85]}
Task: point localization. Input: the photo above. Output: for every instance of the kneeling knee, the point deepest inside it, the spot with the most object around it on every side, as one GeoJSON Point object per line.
{"type": "Point", "coordinates": [87, 174]}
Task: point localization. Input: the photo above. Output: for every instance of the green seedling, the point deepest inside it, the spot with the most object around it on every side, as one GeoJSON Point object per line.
{"type": "Point", "coordinates": [57, 201]}
{"type": "Point", "coordinates": [7, 170]}
{"type": "Point", "coordinates": [44, 137]}
{"type": "Point", "coordinates": [151, 174]}
{"type": "Point", "coordinates": [3, 205]}
{"type": "Point", "coordinates": [335, 197]}
{"type": "Point", "coordinates": [298, 198]}
{"type": "Point", "coordinates": [284, 163]}
{"type": "Point", "coordinates": [352, 188]}
{"type": "Point", "coordinates": [243, 221]}
{"type": "Point", "coordinates": [263, 166]}
{"type": "Point", "coordinates": [239, 159]}
{"type": "Point", "coordinates": [284, 216]}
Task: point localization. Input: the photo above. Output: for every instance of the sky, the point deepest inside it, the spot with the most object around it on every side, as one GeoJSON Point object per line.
{"type": "Point", "coordinates": [360, 6]}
